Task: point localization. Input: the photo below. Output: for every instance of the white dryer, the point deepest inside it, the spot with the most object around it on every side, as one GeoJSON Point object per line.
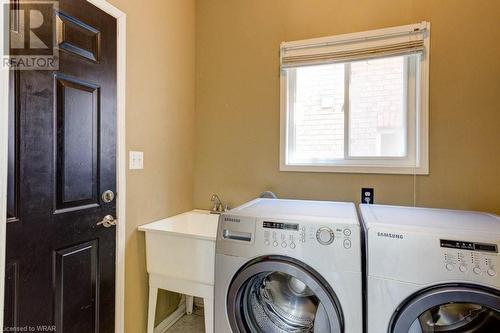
{"type": "Point", "coordinates": [288, 266]}
{"type": "Point", "coordinates": [431, 270]}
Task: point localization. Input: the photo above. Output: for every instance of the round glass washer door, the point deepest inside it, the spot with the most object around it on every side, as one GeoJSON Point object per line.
{"type": "Point", "coordinates": [453, 309]}
{"type": "Point", "coordinates": [282, 295]}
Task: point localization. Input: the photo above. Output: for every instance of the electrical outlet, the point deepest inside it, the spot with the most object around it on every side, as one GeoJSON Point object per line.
{"type": "Point", "coordinates": [136, 160]}
{"type": "Point", "coordinates": [367, 195]}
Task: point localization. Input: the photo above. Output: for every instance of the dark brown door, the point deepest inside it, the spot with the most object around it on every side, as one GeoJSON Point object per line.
{"type": "Point", "coordinates": [60, 263]}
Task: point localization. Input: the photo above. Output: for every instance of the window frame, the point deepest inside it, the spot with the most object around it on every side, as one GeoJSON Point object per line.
{"type": "Point", "coordinates": [416, 161]}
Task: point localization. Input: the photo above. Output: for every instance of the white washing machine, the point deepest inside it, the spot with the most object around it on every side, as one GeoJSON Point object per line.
{"type": "Point", "coordinates": [431, 270]}
{"type": "Point", "coordinates": [288, 266]}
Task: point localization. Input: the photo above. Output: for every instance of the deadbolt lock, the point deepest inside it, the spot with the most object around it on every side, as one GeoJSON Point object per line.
{"type": "Point", "coordinates": [108, 196]}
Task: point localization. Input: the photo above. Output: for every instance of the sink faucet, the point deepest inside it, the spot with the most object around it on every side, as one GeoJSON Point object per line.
{"type": "Point", "coordinates": [218, 207]}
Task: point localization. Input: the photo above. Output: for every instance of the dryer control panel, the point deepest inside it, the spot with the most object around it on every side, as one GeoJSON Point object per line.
{"type": "Point", "coordinates": [469, 257]}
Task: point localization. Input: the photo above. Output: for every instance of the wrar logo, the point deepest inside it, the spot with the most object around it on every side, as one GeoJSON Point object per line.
{"type": "Point", "coordinates": [389, 235]}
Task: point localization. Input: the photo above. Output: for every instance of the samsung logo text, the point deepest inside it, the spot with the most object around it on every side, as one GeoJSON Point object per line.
{"type": "Point", "coordinates": [389, 235]}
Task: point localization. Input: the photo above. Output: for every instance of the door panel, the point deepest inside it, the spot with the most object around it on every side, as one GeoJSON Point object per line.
{"type": "Point", "coordinates": [77, 37]}
{"type": "Point", "coordinates": [77, 266]}
{"type": "Point", "coordinates": [11, 283]}
{"type": "Point", "coordinates": [77, 146]}
{"type": "Point", "coordinates": [13, 149]}
{"type": "Point", "coordinates": [60, 264]}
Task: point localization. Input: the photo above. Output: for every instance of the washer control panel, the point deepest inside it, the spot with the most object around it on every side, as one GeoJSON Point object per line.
{"type": "Point", "coordinates": [293, 235]}
{"type": "Point", "coordinates": [477, 259]}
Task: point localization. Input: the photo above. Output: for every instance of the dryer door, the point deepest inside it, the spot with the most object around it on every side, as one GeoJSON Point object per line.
{"type": "Point", "coordinates": [282, 295]}
{"type": "Point", "coordinates": [457, 309]}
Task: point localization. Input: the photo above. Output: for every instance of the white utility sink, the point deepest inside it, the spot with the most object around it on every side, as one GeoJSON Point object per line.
{"type": "Point", "coordinates": [180, 254]}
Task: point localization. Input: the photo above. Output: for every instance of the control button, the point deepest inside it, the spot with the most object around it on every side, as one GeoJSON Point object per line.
{"type": "Point", "coordinates": [347, 243]}
{"type": "Point", "coordinates": [266, 242]}
{"type": "Point", "coordinates": [275, 243]}
{"type": "Point", "coordinates": [449, 267]}
{"type": "Point", "coordinates": [283, 244]}
{"type": "Point", "coordinates": [491, 272]}
{"type": "Point", "coordinates": [292, 245]}
{"type": "Point", "coordinates": [325, 236]}
{"type": "Point", "coordinates": [477, 270]}
{"type": "Point", "coordinates": [462, 268]}
{"type": "Point", "coordinates": [347, 232]}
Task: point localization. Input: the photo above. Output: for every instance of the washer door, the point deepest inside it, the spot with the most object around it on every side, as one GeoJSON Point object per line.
{"type": "Point", "coordinates": [282, 295]}
{"type": "Point", "coordinates": [457, 309]}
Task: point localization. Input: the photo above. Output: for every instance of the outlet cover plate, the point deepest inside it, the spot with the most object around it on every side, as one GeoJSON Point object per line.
{"type": "Point", "coordinates": [367, 195]}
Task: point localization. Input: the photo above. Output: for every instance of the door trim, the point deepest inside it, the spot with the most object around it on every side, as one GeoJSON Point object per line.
{"type": "Point", "coordinates": [121, 164]}
{"type": "Point", "coordinates": [4, 111]}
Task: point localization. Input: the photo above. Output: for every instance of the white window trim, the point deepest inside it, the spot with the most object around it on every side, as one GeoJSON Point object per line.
{"type": "Point", "coordinates": [421, 166]}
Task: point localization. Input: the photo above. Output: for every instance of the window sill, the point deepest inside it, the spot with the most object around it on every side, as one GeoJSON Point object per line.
{"type": "Point", "coordinates": [401, 170]}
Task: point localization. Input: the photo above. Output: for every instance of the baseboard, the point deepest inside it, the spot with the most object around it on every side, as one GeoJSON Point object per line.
{"type": "Point", "coordinates": [172, 318]}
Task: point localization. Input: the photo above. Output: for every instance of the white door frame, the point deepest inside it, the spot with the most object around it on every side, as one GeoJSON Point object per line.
{"type": "Point", "coordinates": [121, 163]}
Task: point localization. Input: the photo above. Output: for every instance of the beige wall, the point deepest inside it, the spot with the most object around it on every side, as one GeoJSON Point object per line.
{"type": "Point", "coordinates": [237, 100]}
{"type": "Point", "coordinates": [160, 120]}
{"type": "Point", "coordinates": [237, 109]}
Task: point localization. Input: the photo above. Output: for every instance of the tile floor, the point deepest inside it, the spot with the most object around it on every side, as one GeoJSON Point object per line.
{"type": "Point", "coordinates": [194, 323]}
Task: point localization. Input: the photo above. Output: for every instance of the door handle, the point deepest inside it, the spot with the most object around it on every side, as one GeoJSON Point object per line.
{"type": "Point", "coordinates": [107, 221]}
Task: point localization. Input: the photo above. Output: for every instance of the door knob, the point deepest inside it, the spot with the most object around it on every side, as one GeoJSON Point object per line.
{"type": "Point", "coordinates": [107, 221]}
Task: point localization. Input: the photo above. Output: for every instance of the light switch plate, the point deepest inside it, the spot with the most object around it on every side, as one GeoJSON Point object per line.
{"type": "Point", "coordinates": [136, 160]}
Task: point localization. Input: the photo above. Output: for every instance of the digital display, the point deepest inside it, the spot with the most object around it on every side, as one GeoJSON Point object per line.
{"type": "Point", "coordinates": [471, 246]}
{"type": "Point", "coordinates": [279, 225]}
{"type": "Point", "coordinates": [485, 247]}
{"type": "Point", "coordinates": [453, 244]}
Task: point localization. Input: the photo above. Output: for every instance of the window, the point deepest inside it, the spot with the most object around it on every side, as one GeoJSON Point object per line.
{"type": "Point", "coordinates": [356, 102]}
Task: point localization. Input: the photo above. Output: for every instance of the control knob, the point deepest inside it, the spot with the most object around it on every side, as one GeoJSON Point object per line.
{"type": "Point", "coordinates": [325, 236]}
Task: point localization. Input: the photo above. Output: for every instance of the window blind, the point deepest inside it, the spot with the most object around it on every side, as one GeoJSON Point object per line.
{"type": "Point", "coordinates": [409, 39]}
